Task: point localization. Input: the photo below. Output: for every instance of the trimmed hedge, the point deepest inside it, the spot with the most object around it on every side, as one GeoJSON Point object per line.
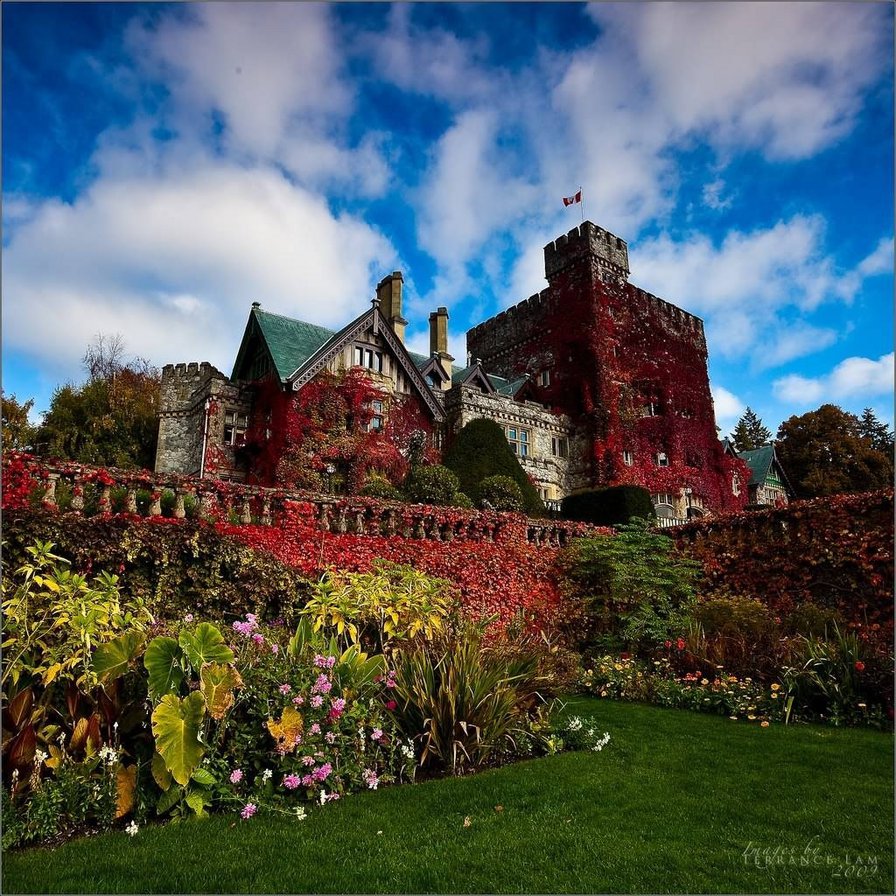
{"type": "Point", "coordinates": [479, 451]}
{"type": "Point", "coordinates": [611, 506]}
{"type": "Point", "coordinates": [430, 485]}
{"type": "Point", "coordinates": [177, 567]}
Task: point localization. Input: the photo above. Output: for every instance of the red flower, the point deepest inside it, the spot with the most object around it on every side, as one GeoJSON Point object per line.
{"type": "Point", "coordinates": [668, 644]}
{"type": "Point", "coordinates": [860, 666]}
{"type": "Point", "coordinates": [391, 705]}
{"type": "Point", "coordinates": [680, 644]}
{"type": "Point", "coordinates": [625, 656]}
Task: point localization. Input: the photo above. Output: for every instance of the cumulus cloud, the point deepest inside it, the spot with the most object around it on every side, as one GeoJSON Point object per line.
{"type": "Point", "coordinates": [728, 407]}
{"type": "Point", "coordinates": [743, 286]}
{"type": "Point", "coordinates": [174, 259]}
{"type": "Point", "coordinates": [851, 378]}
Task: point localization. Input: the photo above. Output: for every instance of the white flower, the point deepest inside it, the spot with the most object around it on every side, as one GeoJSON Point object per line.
{"type": "Point", "coordinates": [266, 775]}
{"type": "Point", "coordinates": [301, 814]}
{"type": "Point", "coordinates": [40, 756]}
{"type": "Point", "coordinates": [323, 796]}
{"type": "Point", "coordinates": [574, 724]}
{"type": "Point", "coordinates": [108, 755]}
{"type": "Point", "coordinates": [132, 829]}
{"type": "Point", "coordinates": [602, 742]}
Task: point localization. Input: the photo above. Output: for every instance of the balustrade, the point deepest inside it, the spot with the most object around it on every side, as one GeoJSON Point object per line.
{"type": "Point", "coordinates": [83, 489]}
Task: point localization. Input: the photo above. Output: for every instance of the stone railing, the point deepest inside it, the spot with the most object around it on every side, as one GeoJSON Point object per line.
{"type": "Point", "coordinates": [80, 488]}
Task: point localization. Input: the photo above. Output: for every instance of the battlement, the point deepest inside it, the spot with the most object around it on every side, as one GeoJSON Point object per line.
{"type": "Point", "coordinates": [585, 241]}
{"type": "Point", "coordinates": [680, 318]}
{"type": "Point", "coordinates": [192, 369]}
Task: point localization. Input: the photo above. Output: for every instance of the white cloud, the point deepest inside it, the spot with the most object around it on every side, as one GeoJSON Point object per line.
{"type": "Point", "coordinates": [785, 78]}
{"type": "Point", "coordinates": [728, 408]}
{"type": "Point", "coordinates": [174, 259]}
{"type": "Point", "coordinates": [853, 378]}
{"type": "Point", "coordinates": [712, 195]}
{"type": "Point", "coordinates": [743, 286]}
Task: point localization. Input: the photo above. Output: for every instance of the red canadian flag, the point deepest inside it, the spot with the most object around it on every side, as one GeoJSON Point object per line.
{"type": "Point", "coordinates": [570, 200]}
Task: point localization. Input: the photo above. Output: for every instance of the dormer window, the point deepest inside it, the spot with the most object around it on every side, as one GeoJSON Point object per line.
{"type": "Point", "coordinates": [369, 358]}
{"type": "Point", "coordinates": [661, 459]}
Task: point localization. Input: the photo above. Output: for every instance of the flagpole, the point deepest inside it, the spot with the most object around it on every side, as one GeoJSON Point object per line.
{"type": "Point", "coordinates": [583, 204]}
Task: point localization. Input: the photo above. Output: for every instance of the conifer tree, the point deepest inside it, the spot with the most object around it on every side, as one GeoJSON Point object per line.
{"type": "Point", "coordinates": [750, 433]}
{"type": "Point", "coordinates": [875, 432]}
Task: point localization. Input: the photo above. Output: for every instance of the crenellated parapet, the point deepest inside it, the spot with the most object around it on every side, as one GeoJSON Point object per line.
{"type": "Point", "coordinates": [587, 241]}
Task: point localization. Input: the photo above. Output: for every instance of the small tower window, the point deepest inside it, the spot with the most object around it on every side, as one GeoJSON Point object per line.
{"type": "Point", "coordinates": [544, 378]}
{"type": "Point", "coordinates": [559, 446]}
{"type": "Point", "coordinates": [235, 426]}
{"type": "Point", "coordinates": [628, 458]}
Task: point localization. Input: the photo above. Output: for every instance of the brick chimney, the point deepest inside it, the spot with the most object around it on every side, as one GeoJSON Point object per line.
{"type": "Point", "coordinates": [438, 338]}
{"type": "Point", "coordinates": [388, 291]}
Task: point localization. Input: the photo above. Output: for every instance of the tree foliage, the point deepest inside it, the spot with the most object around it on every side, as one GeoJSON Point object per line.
{"type": "Point", "coordinates": [18, 433]}
{"type": "Point", "coordinates": [112, 420]}
{"type": "Point", "coordinates": [826, 453]}
{"type": "Point", "coordinates": [480, 450]}
{"type": "Point", "coordinates": [875, 432]}
{"type": "Point", "coordinates": [750, 433]}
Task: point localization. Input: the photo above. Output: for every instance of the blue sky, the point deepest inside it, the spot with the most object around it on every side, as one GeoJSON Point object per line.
{"type": "Point", "coordinates": [166, 165]}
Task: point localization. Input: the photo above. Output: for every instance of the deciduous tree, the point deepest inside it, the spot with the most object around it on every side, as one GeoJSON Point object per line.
{"type": "Point", "coordinates": [825, 453]}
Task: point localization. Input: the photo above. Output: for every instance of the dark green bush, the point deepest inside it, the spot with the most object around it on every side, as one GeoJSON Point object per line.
{"type": "Point", "coordinates": [809, 619]}
{"type": "Point", "coordinates": [611, 506]}
{"type": "Point", "coordinates": [430, 485]}
{"type": "Point", "coordinates": [740, 634]}
{"type": "Point", "coordinates": [502, 493]}
{"type": "Point", "coordinates": [481, 450]}
{"type": "Point", "coordinates": [459, 499]}
{"type": "Point", "coordinates": [176, 567]}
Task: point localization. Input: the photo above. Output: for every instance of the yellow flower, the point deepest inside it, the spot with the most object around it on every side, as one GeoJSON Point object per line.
{"type": "Point", "coordinates": [732, 678]}
{"type": "Point", "coordinates": [704, 681]}
{"type": "Point", "coordinates": [733, 718]}
{"type": "Point", "coordinates": [751, 717]}
{"type": "Point", "coordinates": [776, 686]}
{"type": "Point", "coordinates": [618, 667]}
{"type": "Point", "coordinates": [774, 696]}
{"type": "Point", "coordinates": [763, 724]}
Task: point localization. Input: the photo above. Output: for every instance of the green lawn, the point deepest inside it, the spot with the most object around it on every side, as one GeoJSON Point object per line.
{"type": "Point", "coordinates": [678, 802]}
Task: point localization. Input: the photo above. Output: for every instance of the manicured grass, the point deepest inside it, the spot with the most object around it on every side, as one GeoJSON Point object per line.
{"type": "Point", "coordinates": [678, 802]}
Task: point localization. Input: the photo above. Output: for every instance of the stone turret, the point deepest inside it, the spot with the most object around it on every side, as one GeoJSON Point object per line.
{"type": "Point", "coordinates": [608, 252]}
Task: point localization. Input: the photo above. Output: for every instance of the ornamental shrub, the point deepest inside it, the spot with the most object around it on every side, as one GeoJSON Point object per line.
{"type": "Point", "coordinates": [635, 585]}
{"type": "Point", "coordinates": [481, 450]}
{"type": "Point", "coordinates": [502, 493]}
{"type": "Point", "coordinates": [430, 485]}
{"type": "Point", "coordinates": [740, 634]}
{"type": "Point", "coordinates": [378, 486]}
{"type": "Point", "coordinates": [461, 500]}
{"type": "Point", "coordinates": [609, 506]}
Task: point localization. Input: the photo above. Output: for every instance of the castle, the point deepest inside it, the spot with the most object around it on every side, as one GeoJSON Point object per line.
{"type": "Point", "coordinates": [594, 381]}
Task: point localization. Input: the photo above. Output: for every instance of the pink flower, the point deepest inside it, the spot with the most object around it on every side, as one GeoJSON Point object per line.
{"type": "Point", "coordinates": [320, 661]}
{"type": "Point", "coordinates": [314, 729]}
{"type": "Point", "coordinates": [680, 643]}
{"type": "Point", "coordinates": [298, 701]}
{"type": "Point", "coordinates": [330, 737]}
{"type": "Point", "coordinates": [284, 689]}
{"type": "Point", "coordinates": [317, 701]}
{"type": "Point", "coordinates": [307, 760]}
{"type": "Point", "coordinates": [338, 704]}
{"type": "Point", "coordinates": [322, 773]}
{"type": "Point", "coordinates": [257, 638]}
{"type": "Point", "coordinates": [391, 705]}
{"type": "Point", "coordinates": [248, 811]}
{"type": "Point", "coordinates": [370, 778]}
{"type": "Point", "coordinates": [188, 617]}
{"type": "Point", "coordinates": [376, 734]}
{"type": "Point", "coordinates": [290, 782]}
{"type": "Point", "coordinates": [307, 781]}
{"type": "Point", "coordinates": [331, 661]}
{"type": "Point", "coordinates": [323, 685]}
{"type": "Point", "coordinates": [275, 648]}
{"type": "Point", "coordinates": [236, 776]}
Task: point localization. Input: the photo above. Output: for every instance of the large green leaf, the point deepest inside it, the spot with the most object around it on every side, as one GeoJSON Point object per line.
{"type": "Point", "coordinates": [175, 724]}
{"type": "Point", "coordinates": [218, 684]}
{"type": "Point", "coordinates": [163, 663]}
{"type": "Point", "coordinates": [110, 660]}
{"type": "Point", "coordinates": [169, 799]}
{"type": "Point", "coordinates": [160, 772]}
{"type": "Point", "coordinates": [205, 645]}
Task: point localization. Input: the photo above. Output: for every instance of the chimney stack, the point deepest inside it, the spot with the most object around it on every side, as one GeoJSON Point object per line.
{"type": "Point", "coordinates": [438, 338]}
{"type": "Point", "coordinates": [388, 291]}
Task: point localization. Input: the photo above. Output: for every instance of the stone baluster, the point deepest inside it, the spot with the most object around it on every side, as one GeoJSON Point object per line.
{"type": "Point", "coordinates": [532, 536]}
{"type": "Point", "coordinates": [417, 527]}
{"type": "Point", "coordinates": [266, 511]}
{"type": "Point", "coordinates": [207, 504]}
{"type": "Point", "coordinates": [105, 501]}
{"type": "Point", "coordinates": [341, 520]}
{"type": "Point", "coordinates": [391, 526]}
{"type": "Point", "coordinates": [245, 512]}
{"type": "Point", "coordinates": [131, 500]}
{"type": "Point", "coordinates": [360, 528]}
{"type": "Point", "coordinates": [447, 531]}
{"type": "Point", "coordinates": [459, 529]}
{"type": "Point", "coordinates": [179, 510]}
{"type": "Point", "coordinates": [323, 520]}
{"type": "Point", "coordinates": [49, 499]}
{"type": "Point", "coordinates": [77, 496]}
{"type": "Point", "coordinates": [155, 509]}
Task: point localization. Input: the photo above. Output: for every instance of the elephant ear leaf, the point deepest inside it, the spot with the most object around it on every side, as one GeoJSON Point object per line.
{"type": "Point", "coordinates": [205, 645]}
{"type": "Point", "coordinates": [111, 660]}
{"type": "Point", "coordinates": [160, 772]}
{"type": "Point", "coordinates": [175, 725]}
{"type": "Point", "coordinates": [218, 684]}
{"type": "Point", "coordinates": [162, 661]}
{"type": "Point", "coordinates": [126, 786]}
{"type": "Point", "coordinates": [287, 731]}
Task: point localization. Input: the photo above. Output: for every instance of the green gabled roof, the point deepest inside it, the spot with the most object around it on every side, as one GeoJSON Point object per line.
{"type": "Point", "coordinates": [420, 361]}
{"type": "Point", "coordinates": [507, 387]}
{"type": "Point", "coordinates": [759, 460]}
{"type": "Point", "coordinates": [291, 342]}
{"type": "Point", "coordinates": [458, 376]}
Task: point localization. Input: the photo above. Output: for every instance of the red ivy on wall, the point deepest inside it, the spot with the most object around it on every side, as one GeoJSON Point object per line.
{"type": "Point", "coordinates": [293, 437]}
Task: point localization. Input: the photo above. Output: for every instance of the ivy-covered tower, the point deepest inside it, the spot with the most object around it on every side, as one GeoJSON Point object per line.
{"type": "Point", "coordinates": [628, 368]}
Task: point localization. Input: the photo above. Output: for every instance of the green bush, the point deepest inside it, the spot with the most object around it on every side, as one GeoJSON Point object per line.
{"type": "Point", "coordinates": [636, 585]}
{"type": "Point", "coordinates": [502, 493]}
{"type": "Point", "coordinates": [481, 450]}
{"type": "Point", "coordinates": [609, 506]}
{"type": "Point", "coordinates": [740, 634]}
{"type": "Point", "coordinates": [430, 485]}
{"type": "Point", "coordinates": [174, 568]}
{"type": "Point", "coordinates": [809, 619]}
{"type": "Point", "coordinates": [377, 486]}
{"type": "Point", "coordinates": [459, 499]}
